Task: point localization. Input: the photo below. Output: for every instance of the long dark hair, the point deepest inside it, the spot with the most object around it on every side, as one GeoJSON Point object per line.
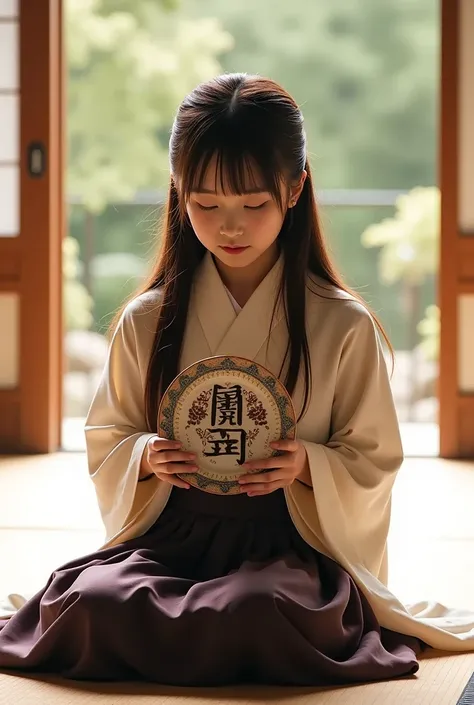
{"type": "Point", "coordinates": [247, 122]}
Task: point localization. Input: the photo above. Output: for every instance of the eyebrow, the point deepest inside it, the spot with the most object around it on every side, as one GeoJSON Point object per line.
{"type": "Point", "coordinates": [244, 193]}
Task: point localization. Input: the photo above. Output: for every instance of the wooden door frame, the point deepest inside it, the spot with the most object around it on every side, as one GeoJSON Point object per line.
{"type": "Point", "coordinates": [31, 262]}
{"type": "Point", "coordinates": [456, 268]}
{"type": "Point", "coordinates": [41, 225]}
{"type": "Point", "coordinates": [448, 182]}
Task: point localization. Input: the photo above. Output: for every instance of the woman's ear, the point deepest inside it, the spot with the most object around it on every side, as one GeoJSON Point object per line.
{"type": "Point", "coordinates": [295, 190]}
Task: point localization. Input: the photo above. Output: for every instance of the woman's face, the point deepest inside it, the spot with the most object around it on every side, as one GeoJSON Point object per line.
{"type": "Point", "coordinates": [237, 229]}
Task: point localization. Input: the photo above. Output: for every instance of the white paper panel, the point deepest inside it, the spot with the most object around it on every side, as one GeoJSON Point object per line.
{"type": "Point", "coordinates": [466, 118]}
{"type": "Point", "coordinates": [8, 8]}
{"type": "Point", "coordinates": [9, 334]}
{"type": "Point", "coordinates": [8, 56]}
{"type": "Point", "coordinates": [9, 201]}
{"type": "Point", "coordinates": [9, 128]}
{"type": "Point", "coordinates": [466, 343]}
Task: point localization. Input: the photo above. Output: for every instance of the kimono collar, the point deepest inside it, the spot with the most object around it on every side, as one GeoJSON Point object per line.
{"type": "Point", "coordinates": [229, 333]}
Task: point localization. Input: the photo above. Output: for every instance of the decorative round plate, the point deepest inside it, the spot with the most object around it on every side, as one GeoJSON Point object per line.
{"type": "Point", "coordinates": [227, 410]}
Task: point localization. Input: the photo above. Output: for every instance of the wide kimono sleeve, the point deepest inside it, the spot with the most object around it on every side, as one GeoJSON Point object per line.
{"type": "Point", "coordinates": [346, 513]}
{"type": "Point", "coordinates": [353, 473]}
{"type": "Point", "coordinates": [116, 430]}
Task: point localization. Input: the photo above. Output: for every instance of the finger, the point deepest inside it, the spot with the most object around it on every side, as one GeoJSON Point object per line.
{"type": "Point", "coordinates": [164, 444]}
{"type": "Point", "coordinates": [174, 468]}
{"type": "Point", "coordinates": [265, 477]}
{"type": "Point", "coordinates": [265, 489]}
{"type": "Point", "coordinates": [172, 480]}
{"type": "Point", "coordinates": [276, 461]}
{"type": "Point", "coordinates": [287, 444]}
{"type": "Point", "coordinates": [171, 456]}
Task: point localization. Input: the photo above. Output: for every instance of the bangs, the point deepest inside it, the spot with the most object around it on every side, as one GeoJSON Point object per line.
{"type": "Point", "coordinates": [236, 170]}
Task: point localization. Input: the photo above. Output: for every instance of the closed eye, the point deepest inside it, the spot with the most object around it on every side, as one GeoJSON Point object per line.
{"type": "Point", "coordinates": [256, 208]}
{"type": "Point", "coordinates": [251, 208]}
{"type": "Point", "coordinates": [205, 208]}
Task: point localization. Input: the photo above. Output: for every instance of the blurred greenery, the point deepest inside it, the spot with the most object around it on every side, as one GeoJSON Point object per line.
{"type": "Point", "coordinates": [429, 330]}
{"type": "Point", "coordinates": [130, 64]}
{"type": "Point", "coordinates": [365, 74]}
{"type": "Point", "coordinates": [408, 251]}
{"type": "Point", "coordinates": [123, 240]}
{"type": "Point", "coordinates": [408, 242]}
{"type": "Point", "coordinates": [77, 302]}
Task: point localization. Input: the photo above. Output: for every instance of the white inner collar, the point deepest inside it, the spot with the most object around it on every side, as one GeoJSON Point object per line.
{"type": "Point", "coordinates": [237, 307]}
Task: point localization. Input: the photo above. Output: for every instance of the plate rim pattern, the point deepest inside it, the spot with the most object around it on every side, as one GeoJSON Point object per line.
{"type": "Point", "coordinates": [218, 363]}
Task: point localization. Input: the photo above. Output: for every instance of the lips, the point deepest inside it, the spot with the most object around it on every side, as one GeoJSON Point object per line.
{"type": "Point", "coordinates": [234, 250]}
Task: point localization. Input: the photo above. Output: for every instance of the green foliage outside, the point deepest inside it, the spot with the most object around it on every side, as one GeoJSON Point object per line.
{"type": "Point", "coordinates": [364, 73]}
{"type": "Point", "coordinates": [408, 252]}
{"type": "Point", "coordinates": [409, 241]}
{"type": "Point", "coordinates": [77, 302]}
{"type": "Point", "coordinates": [130, 64]}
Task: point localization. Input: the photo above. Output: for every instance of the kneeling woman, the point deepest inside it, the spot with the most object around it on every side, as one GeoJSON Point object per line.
{"type": "Point", "coordinates": [282, 583]}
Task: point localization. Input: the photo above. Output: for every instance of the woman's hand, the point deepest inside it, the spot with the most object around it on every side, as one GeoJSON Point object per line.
{"type": "Point", "coordinates": [165, 459]}
{"type": "Point", "coordinates": [283, 469]}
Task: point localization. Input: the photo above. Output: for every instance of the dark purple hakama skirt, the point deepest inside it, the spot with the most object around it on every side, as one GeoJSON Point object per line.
{"type": "Point", "coordinates": [219, 591]}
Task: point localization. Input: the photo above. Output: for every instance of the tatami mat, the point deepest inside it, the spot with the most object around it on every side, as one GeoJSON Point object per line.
{"type": "Point", "coordinates": [440, 681]}
{"type": "Point", "coordinates": [49, 516]}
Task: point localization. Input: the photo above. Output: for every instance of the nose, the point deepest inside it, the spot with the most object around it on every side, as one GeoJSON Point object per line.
{"type": "Point", "coordinates": [231, 227]}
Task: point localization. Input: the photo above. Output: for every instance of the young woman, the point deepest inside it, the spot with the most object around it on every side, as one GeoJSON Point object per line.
{"type": "Point", "coordinates": [284, 583]}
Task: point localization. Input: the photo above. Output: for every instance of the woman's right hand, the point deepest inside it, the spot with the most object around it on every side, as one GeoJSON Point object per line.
{"type": "Point", "coordinates": [165, 459]}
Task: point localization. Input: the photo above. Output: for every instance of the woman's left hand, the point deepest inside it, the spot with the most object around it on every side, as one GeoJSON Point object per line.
{"type": "Point", "coordinates": [284, 469]}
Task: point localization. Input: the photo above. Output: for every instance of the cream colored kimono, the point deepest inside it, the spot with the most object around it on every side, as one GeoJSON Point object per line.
{"type": "Point", "coordinates": [350, 432]}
